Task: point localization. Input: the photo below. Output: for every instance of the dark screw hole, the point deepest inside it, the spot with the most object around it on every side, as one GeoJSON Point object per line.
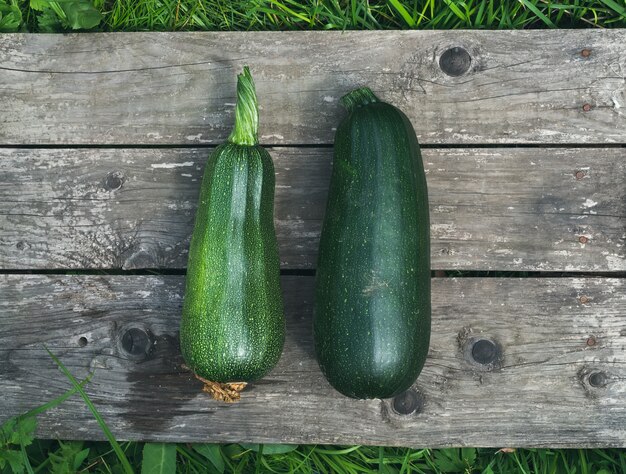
{"type": "Point", "coordinates": [114, 180]}
{"type": "Point", "coordinates": [20, 245]}
{"type": "Point", "coordinates": [82, 342]}
{"type": "Point", "coordinates": [585, 53]}
{"type": "Point", "coordinates": [136, 342]}
{"type": "Point", "coordinates": [484, 351]}
{"type": "Point", "coordinates": [455, 61]}
{"type": "Point", "coordinates": [598, 379]}
{"type": "Point", "coordinates": [583, 299]}
{"type": "Point", "coordinates": [587, 107]}
{"type": "Point", "coordinates": [579, 174]}
{"type": "Point", "coordinates": [407, 402]}
{"type": "Point", "coordinates": [583, 240]}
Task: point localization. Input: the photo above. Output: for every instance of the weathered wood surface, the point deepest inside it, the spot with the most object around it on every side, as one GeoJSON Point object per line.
{"type": "Point", "coordinates": [179, 88]}
{"type": "Point", "coordinates": [558, 379]}
{"type": "Point", "coordinates": [491, 209]}
{"type": "Point", "coordinates": [558, 376]}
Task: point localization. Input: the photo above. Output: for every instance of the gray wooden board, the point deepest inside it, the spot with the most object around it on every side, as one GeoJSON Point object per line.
{"type": "Point", "coordinates": [539, 392]}
{"type": "Point", "coordinates": [179, 88]}
{"type": "Point", "coordinates": [491, 209]}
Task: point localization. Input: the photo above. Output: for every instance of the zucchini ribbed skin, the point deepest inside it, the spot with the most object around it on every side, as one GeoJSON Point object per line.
{"type": "Point", "coordinates": [372, 299]}
{"type": "Point", "coordinates": [232, 327]}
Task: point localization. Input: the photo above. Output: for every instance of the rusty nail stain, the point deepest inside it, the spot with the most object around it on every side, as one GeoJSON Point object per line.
{"type": "Point", "coordinates": [591, 341]}
{"type": "Point", "coordinates": [583, 240]}
{"type": "Point", "coordinates": [584, 300]}
{"type": "Point", "coordinates": [587, 107]}
{"type": "Point", "coordinates": [585, 53]}
{"type": "Point", "coordinates": [579, 174]}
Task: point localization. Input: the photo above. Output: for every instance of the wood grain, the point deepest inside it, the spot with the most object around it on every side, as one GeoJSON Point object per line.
{"type": "Point", "coordinates": [520, 209]}
{"type": "Point", "coordinates": [160, 101]}
{"type": "Point", "coordinates": [179, 88]}
{"type": "Point", "coordinates": [539, 391]}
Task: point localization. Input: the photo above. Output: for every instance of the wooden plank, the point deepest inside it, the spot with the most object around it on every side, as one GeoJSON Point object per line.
{"type": "Point", "coordinates": [178, 88]}
{"type": "Point", "coordinates": [521, 209]}
{"type": "Point", "coordinates": [558, 377]}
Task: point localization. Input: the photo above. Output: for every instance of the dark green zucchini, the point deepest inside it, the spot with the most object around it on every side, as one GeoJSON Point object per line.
{"type": "Point", "coordinates": [232, 327]}
{"type": "Point", "coordinates": [372, 297]}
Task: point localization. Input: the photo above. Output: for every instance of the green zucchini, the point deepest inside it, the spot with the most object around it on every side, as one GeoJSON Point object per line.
{"type": "Point", "coordinates": [232, 327]}
{"type": "Point", "coordinates": [372, 295]}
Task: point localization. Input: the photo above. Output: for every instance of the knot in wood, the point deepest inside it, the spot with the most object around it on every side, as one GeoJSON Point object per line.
{"type": "Point", "coordinates": [484, 351]}
{"type": "Point", "coordinates": [407, 402]}
{"type": "Point", "coordinates": [598, 379]}
{"type": "Point", "coordinates": [136, 343]}
{"type": "Point", "coordinates": [455, 61]}
{"type": "Point", "coordinates": [114, 180]}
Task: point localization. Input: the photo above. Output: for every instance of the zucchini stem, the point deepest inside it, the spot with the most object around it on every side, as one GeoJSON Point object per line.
{"type": "Point", "coordinates": [246, 129]}
{"type": "Point", "coordinates": [358, 98]}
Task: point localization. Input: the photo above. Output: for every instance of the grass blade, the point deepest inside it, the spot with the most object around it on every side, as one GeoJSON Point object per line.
{"type": "Point", "coordinates": [57, 401]}
{"type": "Point", "coordinates": [114, 444]}
{"type": "Point", "coordinates": [478, 21]}
{"type": "Point", "coordinates": [403, 13]}
{"type": "Point", "coordinates": [259, 458]}
{"type": "Point", "coordinates": [456, 10]}
{"type": "Point", "coordinates": [27, 465]}
{"type": "Point", "coordinates": [616, 7]}
{"type": "Point", "coordinates": [537, 12]}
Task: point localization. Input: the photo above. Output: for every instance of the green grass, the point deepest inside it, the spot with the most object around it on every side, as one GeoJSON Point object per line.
{"type": "Point", "coordinates": [174, 15]}
{"type": "Point", "coordinates": [58, 456]}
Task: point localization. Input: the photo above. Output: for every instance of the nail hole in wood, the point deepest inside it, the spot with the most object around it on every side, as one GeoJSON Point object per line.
{"type": "Point", "coordinates": [114, 180]}
{"type": "Point", "coordinates": [598, 379]}
{"type": "Point", "coordinates": [585, 53]}
{"type": "Point", "coordinates": [20, 245]}
{"type": "Point", "coordinates": [579, 174]}
{"type": "Point", "coordinates": [407, 402]}
{"type": "Point", "coordinates": [136, 343]}
{"type": "Point", "coordinates": [82, 341]}
{"type": "Point", "coordinates": [484, 351]}
{"type": "Point", "coordinates": [455, 61]}
{"type": "Point", "coordinates": [587, 107]}
{"type": "Point", "coordinates": [583, 240]}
